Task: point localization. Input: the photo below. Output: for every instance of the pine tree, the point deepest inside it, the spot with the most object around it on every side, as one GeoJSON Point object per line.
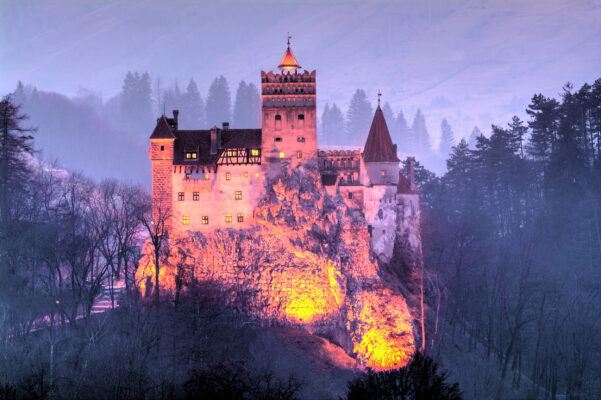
{"type": "Point", "coordinates": [447, 139]}
{"type": "Point", "coordinates": [15, 143]}
{"type": "Point", "coordinates": [192, 109]}
{"type": "Point", "coordinates": [241, 107]}
{"type": "Point", "coordinates": [332, 125]}
{"type": "Point", "coordinates": [322, 131]}
{"type": "Point", "coordinates": [136, 103]}
{"type": "Point", "coordinates": [517, 130]}
{"type": "Point", "coordinates": [219, 103]}
{"type": "Point", "coordinates": [388, 114]}
{"type": "Point", "coordinates": [400, 133]}
{"type": "Point", "coordinates": [420, 139]}
{"type": "Point", "coordinates": [544, 117]}
{"type": "Point", "coordinates": [247, 106]}
{"type": "Point", "coordinates": [476, 133]}
{"type": "Point", "coordinates": [358, 118]}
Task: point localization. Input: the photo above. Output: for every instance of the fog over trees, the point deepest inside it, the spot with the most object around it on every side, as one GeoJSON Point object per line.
{"type": "Point", "coordinates": [512, 246]}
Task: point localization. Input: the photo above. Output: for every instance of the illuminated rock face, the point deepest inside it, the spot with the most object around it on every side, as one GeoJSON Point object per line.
{"type": "Point", "coordinates": [306, 264]}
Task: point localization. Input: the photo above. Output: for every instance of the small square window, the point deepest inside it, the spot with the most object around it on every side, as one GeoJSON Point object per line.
{"type": "Point", "coordinates": [254, 152]}
{"type": "Point", "coordinates": [228, 176]}
{"type": "Point", "coordinates": [257, 175]}
{"type": "Point", "coordinates": [195, 196]}
{"type": "Point", "coordinates": [186, 220]}
{"type": "Point", "coordinates": [350, 195]}
{"type": "Point", "coordinates": [300, 139]}
{"type": "Point", "coordinates": [246, 174]}
{"type": "Point", "coordinates": [238, 195]}
{"type": "Point", "coordinates": [162, 148]}
{"type": "Point", "coordinates": [240, 218]}
{"type": "Point", "coordinates": [180, 196]}
{"type": "Point", "coordinates": [299, 154]}
{"type": "Point", "coordinates": [205, 220]}
{"type": "Point", "coordinates": [228, 218]}
{"type": "Point", "coordinates": [188, 175]}
{"type": "Point", "coordinates": [206, 176]}
{"type": "Point", "coordinates": [278, 139]}
{"type": "Point", "coordinates": [282, 155]}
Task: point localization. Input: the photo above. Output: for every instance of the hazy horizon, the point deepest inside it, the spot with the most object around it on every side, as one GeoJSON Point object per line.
{"type": "Point", "coordinates": [474, 63]}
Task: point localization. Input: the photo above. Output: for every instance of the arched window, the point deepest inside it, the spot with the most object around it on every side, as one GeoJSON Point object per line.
{"type": "Point", "coordinates": [278, 117]}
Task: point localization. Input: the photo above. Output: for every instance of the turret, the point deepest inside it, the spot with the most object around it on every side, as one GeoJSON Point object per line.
{"type": "Point", "coordinates": [379, 153]}
{"type": "Point", "coordinates": [289, 120]}
{"type": "Point", "coordinates": [161, 155]}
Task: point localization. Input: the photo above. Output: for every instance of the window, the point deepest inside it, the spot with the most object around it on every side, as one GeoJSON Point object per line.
{"type": "Point", "coordinates": [240, 218]}
{"type": "Point", "coordinates": [257, 175]}
{"type": "Point", "coordinates": [162, 148]}
{"type": "Point", "coordinates": [383, 173]}
{"type": "Point", "coordinates": [186, 220]}
{"type": "Point", "coordinates": [188, 175]}
{"type": "Point", "coordinates": [254, 152]}
{"type": "Point", "coordinates": [278, 139]}
{"type": "Point", "coordinates": [301, 117]}
{"type": "Point", "coordinates": [300, 139]}
{"type": "Point", "coordinates": [228, 176]}
{"type": "Point", "coordinates": [278, 117]}
{"type": "Point", "coordinates": [180, 196]}
{"type": "Point", "coordinates": [232, 153]}
{"type": "Point", "coordinates": [299, 154]}
{"type": "Point", "coordinates": [205, 220]}
{"type": "Point", "coordinates": [195, 196]}
{"type": "Point", "coordinates": [282, 154]}
{"type": "Point", "coordinates": [206, 176]}
{"type": "Point", "coordinates": [191, 155]}
{"type": "Point", "coordinates": [228, 218]}
{"type": "Point", "coordinates": [238, 195]}
{"type": "Point", "coordinates": [246, 174]}
{"type": "Point", "coordinates": [350, 195]}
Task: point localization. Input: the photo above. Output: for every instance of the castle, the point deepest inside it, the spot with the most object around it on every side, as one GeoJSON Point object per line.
{"type": "Point", "coordinates": [214, 178]}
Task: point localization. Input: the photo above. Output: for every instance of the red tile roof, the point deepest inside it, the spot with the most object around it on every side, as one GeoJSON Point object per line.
{"type": "Point", "coordinates": [378, 146]}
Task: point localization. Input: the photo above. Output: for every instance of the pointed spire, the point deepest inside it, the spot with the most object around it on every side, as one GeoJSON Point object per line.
{"type": "Point", "coordinates": [378, 146]}
{"type": "Point", "coordinates": [288, 61]}
{"type": "Point", "coordinates": [162, 130]}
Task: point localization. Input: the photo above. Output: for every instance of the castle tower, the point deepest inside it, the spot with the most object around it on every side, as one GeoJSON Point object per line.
{"type": "Point", "coordinates": [381, 164]}
{"type": "Point", "coordinates": [161, 156]}
{"type": "Point", "coordinates": [289, 114]}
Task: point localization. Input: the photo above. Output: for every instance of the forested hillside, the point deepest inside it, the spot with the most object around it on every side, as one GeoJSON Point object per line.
{"type": "Point", "coordinates": [513, 244]}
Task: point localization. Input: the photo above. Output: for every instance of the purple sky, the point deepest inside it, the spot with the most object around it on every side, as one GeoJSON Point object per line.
{"type": "Point", "coordinates": [473, 62]}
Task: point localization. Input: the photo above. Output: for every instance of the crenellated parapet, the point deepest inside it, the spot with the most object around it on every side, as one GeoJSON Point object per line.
{"type": "Point", "coordinates": [288, 89]}
{"type": "Point", "coordinates": [288, 77]}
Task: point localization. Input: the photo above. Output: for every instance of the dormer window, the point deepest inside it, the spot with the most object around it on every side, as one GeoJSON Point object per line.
{"type": "Point", "coordinates": [254, 152]}
{"type": "Point", "coordinates": [191, 155]}
{"type": "Point", "coordinates": [232, 153]}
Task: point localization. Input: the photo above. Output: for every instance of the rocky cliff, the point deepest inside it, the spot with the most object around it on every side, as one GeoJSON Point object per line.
{"type": "Point", "coordinates": [306, 264]}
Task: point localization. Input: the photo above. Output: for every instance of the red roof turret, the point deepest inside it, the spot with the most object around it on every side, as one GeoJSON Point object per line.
{"type": "Point", "coordinates": [288, 61]}
{"type": "Point", "coordinates": [378, 146]}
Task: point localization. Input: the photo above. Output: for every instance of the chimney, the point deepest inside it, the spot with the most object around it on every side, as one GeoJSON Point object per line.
{"type": "Point", "coordinates": [175, 117]}
{"type": "Point", "coordinates": [226, 126]}
{"type": "Point", "coordinates": [411, 172]}
{"type": "Point", "coordinates": [214, 140]}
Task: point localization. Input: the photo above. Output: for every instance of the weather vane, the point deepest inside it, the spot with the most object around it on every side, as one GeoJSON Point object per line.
{"type": "Point", "coordinates": [289, 37]}
{"type": "Point", "coordinates": [379, 95]}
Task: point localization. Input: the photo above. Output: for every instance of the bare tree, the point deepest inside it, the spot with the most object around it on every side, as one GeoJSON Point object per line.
{"type": "Point", "coordinates": [156, 223]}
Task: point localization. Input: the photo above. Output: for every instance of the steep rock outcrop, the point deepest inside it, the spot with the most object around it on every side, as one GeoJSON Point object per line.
{"type": "Point", "coordinates": [305, 264]}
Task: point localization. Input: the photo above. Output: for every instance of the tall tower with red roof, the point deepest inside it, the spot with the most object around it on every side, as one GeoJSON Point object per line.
{"type": "Point", "coordinates": [288, 114]}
